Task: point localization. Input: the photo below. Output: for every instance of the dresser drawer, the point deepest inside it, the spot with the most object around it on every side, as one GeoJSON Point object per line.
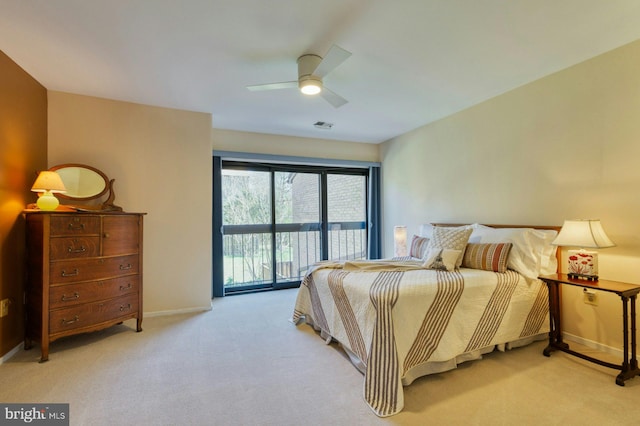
{"type": "Point", "coordinates": [91, 269]}
{"type": "Point", "coordinates": [74, 247]}
{"type": "Point", "coordinates": [76, 224]}
{"type": "Point", "coordinates": [74, 294]}
{"type": "Point", "coordinates": [89, 314]}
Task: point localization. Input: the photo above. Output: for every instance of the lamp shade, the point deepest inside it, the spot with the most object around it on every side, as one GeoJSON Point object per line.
{"type": "Point", "coordinates": [587, 233]}
{"type": "Point", "coordinates": [399, 241]}
{"type": "Point", "coordinates": [48, 181]}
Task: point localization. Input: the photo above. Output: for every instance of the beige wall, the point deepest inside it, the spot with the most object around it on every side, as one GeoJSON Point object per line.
{"type": "Point", "coordinates": [161, 161]}
{"type": "Point", "coordinates": [564, 147]}
{"type": "Point", "coordinates": [23, 151]}
{"type": "Point", "coordinates": [259, 143]}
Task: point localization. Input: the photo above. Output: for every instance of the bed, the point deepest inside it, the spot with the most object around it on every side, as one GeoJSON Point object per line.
{"type": "Point", "coordinates": [463, 291]}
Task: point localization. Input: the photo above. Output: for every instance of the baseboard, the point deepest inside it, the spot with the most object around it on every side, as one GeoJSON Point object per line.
{"type": "Point", "coordinates": [176, 312]}
{"type": "Point", "coordinates": [592, 344]}
{"type": "Point", "coordinates": [11, 353]}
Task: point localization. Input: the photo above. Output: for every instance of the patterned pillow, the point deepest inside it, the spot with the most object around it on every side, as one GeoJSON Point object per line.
{"type": "Point", "coordinates": [418, 247]}
{"type": "Point", "coordinates": [441, 259]}
{"type": "Point", "coordinates": [455, 238]}
{"type": "Point", "coordinates": [490, 257]}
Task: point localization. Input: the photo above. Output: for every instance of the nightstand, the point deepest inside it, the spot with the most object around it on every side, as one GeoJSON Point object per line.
{"type": "Point", "coordinates": [627, 292]}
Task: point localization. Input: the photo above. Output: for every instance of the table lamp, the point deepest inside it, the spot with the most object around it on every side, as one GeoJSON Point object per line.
{"type": "Point", "coordinates": [47, 184]}
{"type": "Point", "coordinates": [399, 241]}
{"type": "Point", "coordinates": [583, 233]}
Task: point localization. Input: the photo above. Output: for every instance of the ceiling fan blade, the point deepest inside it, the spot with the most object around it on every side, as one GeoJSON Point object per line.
{"type": "Point", "coordinates": [333, 98]}
{"type": "Point", "coordinates": [334, 57]}
{"type": "Point", "coordinates": [274, 86]}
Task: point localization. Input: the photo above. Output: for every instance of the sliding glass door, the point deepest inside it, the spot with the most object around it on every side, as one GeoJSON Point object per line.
{"type": "Point", "coordinates": [246, 218]}
{"type": "Point", "coordinates": [298, 224]}
{"type": "Point", "coordinates": [346, 216]}
{"type": "Point", "coordinates": [278, 220]}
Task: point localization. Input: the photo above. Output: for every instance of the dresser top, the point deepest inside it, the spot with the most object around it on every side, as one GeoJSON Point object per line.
{"type": "Point", "coordinates": [70, 210]}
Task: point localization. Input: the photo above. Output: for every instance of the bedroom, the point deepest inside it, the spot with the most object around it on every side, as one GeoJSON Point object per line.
{"type": "Point", "coordinates": [561, 147]}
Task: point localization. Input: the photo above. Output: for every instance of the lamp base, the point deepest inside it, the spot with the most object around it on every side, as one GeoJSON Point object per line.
{"type": "Point", "coordinates": [583, 264]}
{"type": "Point", "coordinates": [47, 201]}
{"type": "Point", "coordinates": [582, 276]}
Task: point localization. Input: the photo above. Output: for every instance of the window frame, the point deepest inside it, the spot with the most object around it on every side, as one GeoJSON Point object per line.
{"type": "Point", "coordinates": [344, 168]}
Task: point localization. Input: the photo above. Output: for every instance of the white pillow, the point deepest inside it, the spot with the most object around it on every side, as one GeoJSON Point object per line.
{"type": "Point", "coordinates": [549, 264]}
{"type": "Point", "coordinates": [426, 230]}
{"type": "Point", "coordinates": [441, 259]}
{"type": "Point", "coordinates": [532, 253]}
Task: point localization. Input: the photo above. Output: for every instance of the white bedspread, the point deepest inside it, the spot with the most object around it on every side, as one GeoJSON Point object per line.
{"type": "Point", "coordinates": [399, 322]}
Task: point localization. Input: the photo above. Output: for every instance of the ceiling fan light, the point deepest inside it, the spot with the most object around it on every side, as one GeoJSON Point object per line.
{"type": "Point", "coordinates": [311, 87]}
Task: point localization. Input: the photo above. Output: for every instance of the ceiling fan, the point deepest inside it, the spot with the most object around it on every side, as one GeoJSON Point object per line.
{"type": "Point", "coordinates": [311, 69]}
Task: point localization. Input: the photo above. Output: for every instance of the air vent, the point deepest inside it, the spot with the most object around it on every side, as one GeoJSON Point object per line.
{"type": "Point", "coordinates": [323, 125]}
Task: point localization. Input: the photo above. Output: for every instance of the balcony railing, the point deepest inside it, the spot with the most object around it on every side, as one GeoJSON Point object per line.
{"type": "Point", "coordinates": [249, 249]}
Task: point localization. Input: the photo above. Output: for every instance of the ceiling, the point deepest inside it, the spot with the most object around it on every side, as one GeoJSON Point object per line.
{"type": "Point", "coordinates": [412, 62]}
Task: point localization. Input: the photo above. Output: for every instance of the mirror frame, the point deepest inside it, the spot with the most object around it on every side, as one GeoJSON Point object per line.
{"type": "Point", "coordinates": [104, 190]}
{"type": "Point", "coordinates": [107, 205]}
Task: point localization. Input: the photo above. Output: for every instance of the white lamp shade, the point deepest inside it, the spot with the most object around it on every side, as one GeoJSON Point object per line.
{"type": "Point", "coordinates": [48, 181]}
{"type": "Point", "coordinates": [586, 233]}
{"type": "Point", "coordinates": [399, 241]}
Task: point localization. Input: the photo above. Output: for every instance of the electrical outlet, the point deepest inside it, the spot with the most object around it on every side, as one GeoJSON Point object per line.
{"type": "Point", "coordinates": [590, 297]}
{"type": "Point", "coordinates": [4, 308]}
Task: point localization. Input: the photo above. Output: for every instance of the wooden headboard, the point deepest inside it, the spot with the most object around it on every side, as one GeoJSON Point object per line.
{"type": "Point", "coordinates": [543, 227]}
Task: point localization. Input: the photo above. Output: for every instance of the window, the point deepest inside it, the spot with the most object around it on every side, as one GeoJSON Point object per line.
{"type": "Point", "coordinates": [278, 220]}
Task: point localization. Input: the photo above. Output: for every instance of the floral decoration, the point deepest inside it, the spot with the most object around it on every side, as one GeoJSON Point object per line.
{"type": "Point", "coordinates": [582, 263]}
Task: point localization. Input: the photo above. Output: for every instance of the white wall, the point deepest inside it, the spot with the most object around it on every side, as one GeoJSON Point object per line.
{"type": "Point", "coordinates": [563, 147]}
{"type": "Point", "coordinates": [161, 161]}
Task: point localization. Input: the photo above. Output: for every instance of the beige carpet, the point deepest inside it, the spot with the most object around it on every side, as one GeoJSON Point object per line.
{"type": "Point", "coordinates": [243, 363]}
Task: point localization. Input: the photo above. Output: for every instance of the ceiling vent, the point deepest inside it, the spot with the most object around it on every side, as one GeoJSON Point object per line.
{"type": "Point", "coordinates": [323, 125]}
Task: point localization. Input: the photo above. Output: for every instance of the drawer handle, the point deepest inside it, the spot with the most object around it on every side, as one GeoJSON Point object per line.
{"type": "Point", "coordinates": [71, 321]}
{"type": "Point", "coordinates": [125, 307]}
{"type": "Point", "coordinates": [78, 227]}
{"type": "Point", "coordinates": [70, 274]}
{"type": "Point", "coordinates": [78, 250]}
{"type": "Point", "coordinates": [75, 296]}
{"type": "Point", "coordinates": [125, 267]}
{"type": "Point", "coordinates": [128, 287]}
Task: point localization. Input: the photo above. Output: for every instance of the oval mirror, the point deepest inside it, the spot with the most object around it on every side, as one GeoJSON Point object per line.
{"type": "Point", "coordinates": [81, 181]}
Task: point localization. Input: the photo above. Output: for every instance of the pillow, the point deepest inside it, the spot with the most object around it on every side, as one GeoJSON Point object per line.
{"type": "Point", "coordinates": [489, 257]}
{"type": "Point", "coordinates": [426, 230]}
{"type": "Point", "coordinates": [454, 238]}
{"type": "Point", "coordinates": [441, 259]}
{"type": "Point", "coordinates": [418, 247]}
{"type": "Point", "coordinates": [549, 261]}
{"type": "Point", "coordinates": [531, 252]}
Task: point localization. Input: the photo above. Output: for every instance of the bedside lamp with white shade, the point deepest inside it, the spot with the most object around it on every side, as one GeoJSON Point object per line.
{"type": "Point", "coordinates": [48, 183]}
{"type": "Point", "coordinates": [583, 233]}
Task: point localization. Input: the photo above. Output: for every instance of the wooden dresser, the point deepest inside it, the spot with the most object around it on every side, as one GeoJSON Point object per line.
{"type": "Point", "coordinates": [84, 273]}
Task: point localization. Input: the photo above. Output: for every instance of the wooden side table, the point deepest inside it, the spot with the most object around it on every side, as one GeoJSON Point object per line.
{"type": "Point", "coordinates": [627, 292]}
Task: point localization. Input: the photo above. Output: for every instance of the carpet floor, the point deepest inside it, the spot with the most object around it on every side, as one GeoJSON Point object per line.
{"type": "Point", "coordinates": [244, 363]}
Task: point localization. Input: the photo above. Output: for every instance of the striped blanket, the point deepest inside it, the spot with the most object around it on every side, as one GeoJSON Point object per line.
{"type": "Point", "coordinates": [399, 322]}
